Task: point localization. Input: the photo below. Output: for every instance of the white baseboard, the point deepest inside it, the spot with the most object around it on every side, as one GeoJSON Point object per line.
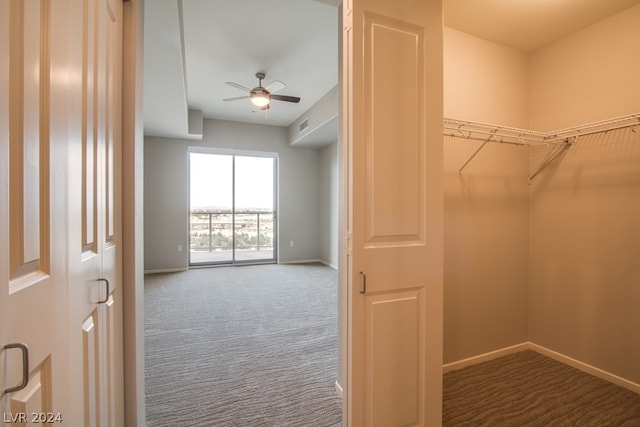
{"type": "Point", "coordinates": [180, 269]}
{"type": "Point", "coordinates": [338, 389]}
{"type": "Point", "coordinates": [453, 366]}
{"type": "Point", "coordinates": [166, 270]}
{"type": "Point", "coordinates": [607, 376]}
{"type": "Point", "coordinates": [309, 261]}
{"type": "Point", "coordinates": [299, 261]}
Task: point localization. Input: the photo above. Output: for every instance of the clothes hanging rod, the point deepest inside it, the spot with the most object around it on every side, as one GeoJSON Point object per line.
{"type": "Point", "coordinates": [603, 126]}
{"type": "Point", "coordinates": [505, 134]}
{"type": "Point", "coordinates": [502, 134]}
{"type": "Point", "coordinates": [479, 138]}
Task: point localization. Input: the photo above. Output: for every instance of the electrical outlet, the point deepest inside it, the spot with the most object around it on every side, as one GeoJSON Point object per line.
{"type": "Point", "coordinates": [179, 248]}
{"type": "Point", "coordinates": [291, 243]}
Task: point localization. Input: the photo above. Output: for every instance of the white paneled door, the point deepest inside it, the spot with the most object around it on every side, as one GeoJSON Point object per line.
{"type": "Point", "coordinates": [60, 268]}
{"type": "Point", "coordinates": [392, 110]}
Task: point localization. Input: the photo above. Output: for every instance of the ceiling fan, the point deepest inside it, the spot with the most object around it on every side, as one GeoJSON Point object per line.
{"type": "Point", "coordinates": [262, 96]}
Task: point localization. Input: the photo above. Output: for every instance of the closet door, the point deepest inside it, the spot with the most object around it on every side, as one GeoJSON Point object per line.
{"type": "Point", "coordinates": [60, 327]}
{"type": "Point", "coordinates": [95, 309]}
{"type": "Point", "coordinates": [392, 72]}
{"type": "Point", "coordinates": [32, 240]}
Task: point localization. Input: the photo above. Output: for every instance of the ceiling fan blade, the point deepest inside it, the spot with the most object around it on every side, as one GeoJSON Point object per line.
{"type": "Point", "coordinates": [285, 98]}
{"type": "Point", "coordinates": [275, 86]}
{"type": "Point", "coordinates": [238, 86]}
{"type": "Point", "coordinates": [236, 98]}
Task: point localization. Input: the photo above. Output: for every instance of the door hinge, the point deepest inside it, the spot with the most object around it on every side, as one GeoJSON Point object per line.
{"type": "Point", "coordinates": [347, 243]}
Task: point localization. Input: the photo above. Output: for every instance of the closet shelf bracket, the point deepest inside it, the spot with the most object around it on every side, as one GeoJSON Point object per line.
{"type": "Point", "coordinates": [486, 141]}
{"type": "Point", "coordinates": [553, 153]}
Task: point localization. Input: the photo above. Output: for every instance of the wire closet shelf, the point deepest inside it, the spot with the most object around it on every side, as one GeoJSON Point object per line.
{"type": "Point", "coordinates": [557, 141]}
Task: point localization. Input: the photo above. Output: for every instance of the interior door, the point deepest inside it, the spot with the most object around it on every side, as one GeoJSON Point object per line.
{"type": "Point", "coordinates": [31, 221]}
{"type": "Point", "coordinates": [95, 306]}
{"type": "Point", "coordinates": [59, 212]}
{"type": "Point", "coordinates": [392, 110]}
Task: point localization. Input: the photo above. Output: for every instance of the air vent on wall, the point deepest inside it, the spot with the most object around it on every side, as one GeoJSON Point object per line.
{"type": "Point", "coordinates": [304, 124]}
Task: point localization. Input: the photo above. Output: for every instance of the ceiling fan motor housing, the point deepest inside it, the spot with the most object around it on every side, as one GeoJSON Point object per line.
{"type": "Point", "coordinates": [259, 90]}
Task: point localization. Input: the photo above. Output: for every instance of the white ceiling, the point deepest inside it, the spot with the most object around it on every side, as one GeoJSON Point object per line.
{"type": "Point", "coordinates": [192, 47]}
{"type": "Point", "coordinates": [528, 25]}
{"type": "Point", "coordinates": [195, 46]}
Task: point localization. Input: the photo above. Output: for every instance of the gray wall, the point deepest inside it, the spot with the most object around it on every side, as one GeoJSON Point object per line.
{"type": "Point", "coordinates": [302, 203]}
{"type": "Point", "coordinates": [166, 204]}
{"type": "Point", "coordinates": [328, 181]}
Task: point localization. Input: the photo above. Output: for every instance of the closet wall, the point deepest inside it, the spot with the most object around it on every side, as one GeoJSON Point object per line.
{"type": "Point", "coordinates": [555, 263]}
{"type": "Point", "coordinates": [486, 208]}
{"type": "Point", "coordinates": [585, 209]}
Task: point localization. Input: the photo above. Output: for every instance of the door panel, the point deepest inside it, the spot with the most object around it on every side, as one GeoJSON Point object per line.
{"type": "Point", "coordinates": [394, 342]}
{"type": "Point", "coordinates": [211, 206]}
{"type": "Point", "coordinates": [95, 261]}
{"type": "Point", "coordinates": [90, 364]}
{"type": "Point", "coordinates": [35, 398]}
{"type": "Point", "coordinates": [111, 362]}
{"type": "Point", "coordinates": [100, 366]}
{"type": "Point", "coordinates": [60, 264]}
{"type": "Point", "coordinates": [254, 184]}
{"type": "Point", "coordinates": [394, 199]}
{"type": "Point", "coordinates": [89, 152]}
{"type": "Point", "coordinates": [393, 131]}
{"type": "Point", "coordinates": [29, 286]}
{"type": "Point", "coordinates": [28, 142]}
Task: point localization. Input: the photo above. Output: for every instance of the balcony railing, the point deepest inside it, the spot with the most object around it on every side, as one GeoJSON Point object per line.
{"type": "Point", "coordinates": [215, 233]}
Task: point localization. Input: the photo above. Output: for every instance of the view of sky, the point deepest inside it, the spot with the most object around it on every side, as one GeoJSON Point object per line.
{"type": "Point", "coordinates": [211, 181]}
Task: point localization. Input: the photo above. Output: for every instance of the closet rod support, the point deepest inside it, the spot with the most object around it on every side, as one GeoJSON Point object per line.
{"type": "Point", "coordinates": [554, 152]}
{"type": "Point", "coordinates": [476, 152]}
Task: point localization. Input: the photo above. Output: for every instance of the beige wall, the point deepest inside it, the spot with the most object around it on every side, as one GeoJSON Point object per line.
{"type": "Point", "coordinates": [556, 262]}
{"type": "Point", "coordinates": [591, 75]}
{"type": "Point", "coordinates": [585, 209]}
{"type": "Point", "coordinates": [486, 209]}
{"type": "Point", "coordinates": [484, 81]}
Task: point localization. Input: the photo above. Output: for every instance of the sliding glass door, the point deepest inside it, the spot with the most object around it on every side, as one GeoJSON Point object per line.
{"type": "Point", "coordinates": [232, 204]}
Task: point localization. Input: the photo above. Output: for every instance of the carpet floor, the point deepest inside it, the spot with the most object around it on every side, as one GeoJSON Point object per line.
{"type": "Point", "coordinates": [529, 389]}
{"type": "Point", "coordinates": [242, 346]}
{"type": "Point", "coordinates": [256, 346]}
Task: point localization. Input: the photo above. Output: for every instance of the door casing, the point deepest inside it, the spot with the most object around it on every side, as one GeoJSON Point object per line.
{"type": "Point", "coordinates": [133, 226]}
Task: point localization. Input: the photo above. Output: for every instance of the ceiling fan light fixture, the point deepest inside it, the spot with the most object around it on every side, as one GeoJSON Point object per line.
{"type": "Point", "coordinates": [260, 97]}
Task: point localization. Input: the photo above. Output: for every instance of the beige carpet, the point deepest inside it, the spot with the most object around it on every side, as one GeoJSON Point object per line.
{"type": "Point", "coordinates": [529, 389]}
{"type": "Point", "coordinates": [242, 346]}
